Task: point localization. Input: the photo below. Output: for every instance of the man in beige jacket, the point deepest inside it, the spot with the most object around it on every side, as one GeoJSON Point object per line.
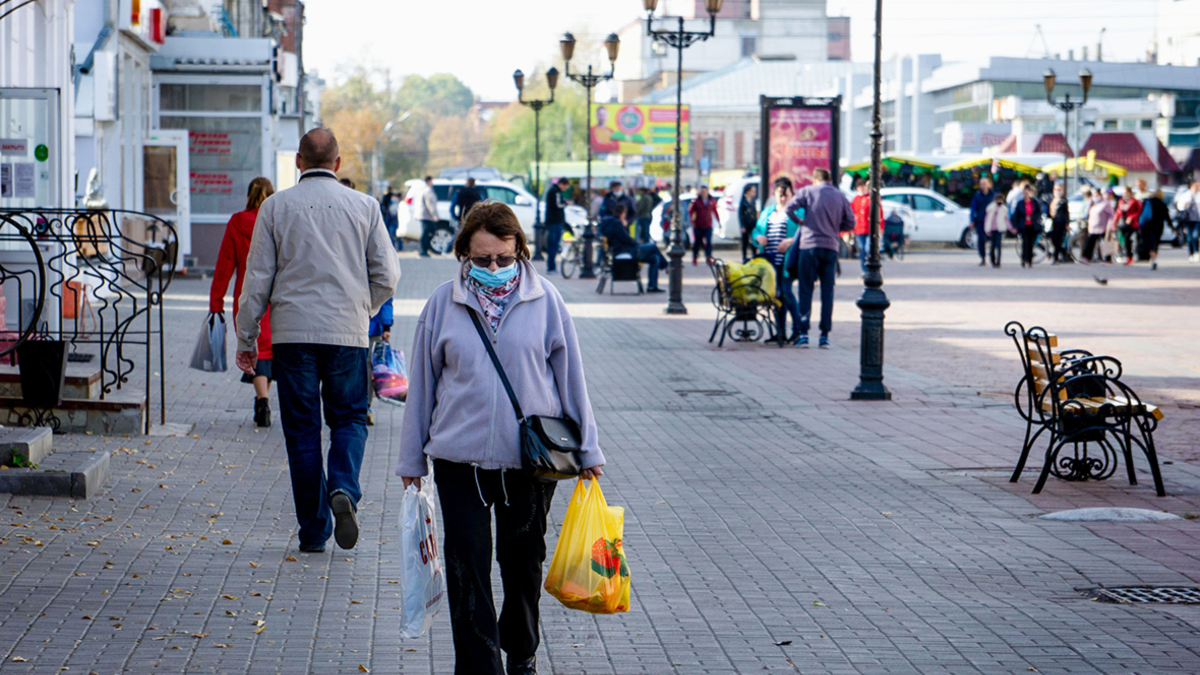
{"type": "Point", "coordinates": [321, 258]}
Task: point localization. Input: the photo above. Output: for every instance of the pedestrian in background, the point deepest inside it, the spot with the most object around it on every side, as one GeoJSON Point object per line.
{"type": "Point", "coordinates": [616, 195]}
{"type": "Point", "coordinates": [748, 219]}
{"type": "Point", "coordinates": [1151, 224]}
{"type": "Point", "coordinates": [1128, 213]}
{"type": "Point", "coordinates": [235, 246]}
{"type": "Point", "coordinates": [861, 206]}
{"type": "Point", "coordinates": [1045, 187]}
{"type": "Point", "coordinates": [979, 203]}
{"type": "Point", "coordinates": [348, 183]}
{"type": "Point", "coordinates": [996, 224]}
{"type": "Point", "coordinates": [644, 212]}
{"type": "Point", "coordinates": [379, 330]}
{"type": "Point", "coordinates": [320, 257]}
{"type": "Point", "coordinates": [1026, 217]}
{"type": "Point", "coordinates": [459, 415]}
{"type": "Point", "coordinates": [556, 220]}
{"type": "Point", "coordinates": [774, 233]}
{"type": "Point", "coordinates": [389, 205]}
{"type": "Point", "coordinates": [1060, 219]}
{"type": "Point", "coordinates": [703, 214]}
{"type": "Point", "coordinates": [826, 214]}
{"type": "Point", "coordinates": [1187, 204]}
{"type": "Point", "coordinates": [1016, 193]}
{"type": "Point", "coordinates": [425, 210]}
{"type": "Point", "coordinates": [1100, 218]}
{"type": "Point", "coordinates": [595, 209]}
{"type": "Point", "coordinates": [468, 196]}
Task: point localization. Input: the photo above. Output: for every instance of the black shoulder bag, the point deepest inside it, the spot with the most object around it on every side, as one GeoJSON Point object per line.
{"type": "Point", "coordinates": [550, 446]}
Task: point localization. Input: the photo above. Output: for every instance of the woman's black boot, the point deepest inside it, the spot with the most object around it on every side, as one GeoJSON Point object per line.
{"type": "Point", "coordinates": [262, 412]}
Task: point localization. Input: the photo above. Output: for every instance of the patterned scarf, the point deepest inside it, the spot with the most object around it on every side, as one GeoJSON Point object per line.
{"type": "Point", "coordinates": [494, 301]}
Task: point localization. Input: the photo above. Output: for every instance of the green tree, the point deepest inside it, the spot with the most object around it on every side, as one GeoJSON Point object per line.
{"type": "Point", "coordinates": [512, 137]}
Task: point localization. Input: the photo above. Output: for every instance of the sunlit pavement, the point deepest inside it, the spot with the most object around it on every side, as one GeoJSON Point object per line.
{"type": "Point", "coordinates": [771, 524]}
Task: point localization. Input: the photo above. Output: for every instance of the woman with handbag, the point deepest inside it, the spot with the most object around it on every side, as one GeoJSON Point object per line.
{"type": "Point", "coordinates": [496, 391]}
{"type": "Point", "coordinates": [235, 246]}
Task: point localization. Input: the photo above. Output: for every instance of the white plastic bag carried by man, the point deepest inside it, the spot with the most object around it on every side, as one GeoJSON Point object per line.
{"type": "Point", "coordinates": [422, 576]}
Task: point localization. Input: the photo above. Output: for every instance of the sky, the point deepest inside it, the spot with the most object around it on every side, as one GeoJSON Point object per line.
{"type": "Point", "coordinates": [484, 41]}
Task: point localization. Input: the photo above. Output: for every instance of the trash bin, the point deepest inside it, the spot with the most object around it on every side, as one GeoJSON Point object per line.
{"type": "Point", "coordinates": [43, 369]}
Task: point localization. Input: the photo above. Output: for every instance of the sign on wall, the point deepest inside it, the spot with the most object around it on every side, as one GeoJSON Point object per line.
{"type": "Point", "coordinates": [625, 129]}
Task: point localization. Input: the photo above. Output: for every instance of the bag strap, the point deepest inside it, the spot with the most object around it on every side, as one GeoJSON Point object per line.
{"type": "Point", "coordinates": [496, 362]}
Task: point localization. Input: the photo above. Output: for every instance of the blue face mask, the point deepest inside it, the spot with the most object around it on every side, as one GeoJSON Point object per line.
{"type": "Point", "coordinates": [501, 276]}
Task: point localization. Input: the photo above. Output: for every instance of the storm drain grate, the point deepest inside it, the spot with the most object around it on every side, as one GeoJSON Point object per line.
{"type": "Point", "coordinates": [1178, 595]}
{"type": "Point", "coordinates": [702, 392]}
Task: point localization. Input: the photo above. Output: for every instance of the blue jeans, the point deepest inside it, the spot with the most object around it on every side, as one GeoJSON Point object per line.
{"type": "Point", "coordinates": [981, 239]}
{"type": "Point", "coordinates": [308, 376]}
{"type": "Point", "coordinates": [817, 264]}
{"type": "Point", "coordinates": [1193, 237]}
{"type": "Point", "coordinates": [649, 253]}
{"type": "Point", "coordinates": [864, 247]}
{"type": "Point", "coordinates": [783, 289]}
{"type": "Point", "coordinates": [643, 230]}
{"type": "Point", "coordinates": [393, 224]}
{"type": "Point", "coordinates": [554, 233]}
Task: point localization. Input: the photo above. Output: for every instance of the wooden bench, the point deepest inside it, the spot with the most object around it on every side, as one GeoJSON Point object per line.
{"type": "Point", "coordinates": [1078, 401]}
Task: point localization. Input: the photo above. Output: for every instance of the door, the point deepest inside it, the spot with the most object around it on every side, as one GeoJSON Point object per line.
{"type": "Point", "coordinates": [935, 222]}
{"type": "Point", "coordinates": [167, 184]}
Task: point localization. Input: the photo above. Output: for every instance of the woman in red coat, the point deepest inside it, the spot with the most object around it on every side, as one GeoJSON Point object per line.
{"type": "Point", "coordinates": [234, 249]}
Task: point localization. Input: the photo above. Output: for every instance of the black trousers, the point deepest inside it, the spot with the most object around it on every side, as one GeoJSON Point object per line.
{"type": "Point", "coordinates": [467, 497]}
{"type": "Point", "coordinates": [1058, 236]}
{"type": "Point", "coordinates": [1029, 236]}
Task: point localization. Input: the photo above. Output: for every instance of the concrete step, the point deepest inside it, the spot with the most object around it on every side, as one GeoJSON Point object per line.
{"type": "Point", "coordinates": [82, 380]}
{"type": "Point", "coordinates": [34, 443]}
{"type": "Point", "coordinates": [121, 412]}
{"type": "Point", "coordinates": [79, 475]}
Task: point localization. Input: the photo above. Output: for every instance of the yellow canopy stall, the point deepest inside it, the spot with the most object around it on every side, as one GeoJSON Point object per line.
{"type": "Point", "coordinates": [981, 160]}
{"type": "Point", "coordinates": [1088, 164]}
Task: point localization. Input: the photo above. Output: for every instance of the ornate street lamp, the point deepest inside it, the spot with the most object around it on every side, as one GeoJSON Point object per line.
{"type": "Point", "coordinates": [539, 230]}
{"type": "Point", "coordinates": [1067, 106]}
{"type": "Point", "coordinates": [873, 301]}
{"type": "Point", "coordinates": [680, 40]}
{"type": "Point", "coordinates": [612, 44]}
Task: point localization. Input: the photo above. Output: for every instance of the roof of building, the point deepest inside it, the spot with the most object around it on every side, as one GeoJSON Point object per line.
{"type": "Point", "coordinates": [1008, 146]}
{"type": "Point", "coordinates": [1192, 163]}
{"type": "Point", "coordinates": [1121, 148]}
{"type": "Point", "coordinates": [214, 53]}
{"type": "Point", "coordinates": [1055, 143]}
{"type": "Point", "coordinates": [1104, 73]}
{"type": "Point", "coordinates": [1166, 163]}
{"type": "Point", "coordinates": [737, 87]}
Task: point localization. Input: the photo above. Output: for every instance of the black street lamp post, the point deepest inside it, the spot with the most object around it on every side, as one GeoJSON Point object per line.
{"type": "Point", "coordinates": [1067, 106]}
{"type": "Point", "coordinates": [873, 301]}
{"type": "Point", "coordinates": [539, 229]}
{"type": "Point", "coordinates": [612, 44]}
{"type": "Point", "coordinates": [680, 40]}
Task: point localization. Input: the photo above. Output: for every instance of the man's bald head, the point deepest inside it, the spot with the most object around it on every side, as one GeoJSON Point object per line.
{"type": "Point", "coordinates": [318, 150]}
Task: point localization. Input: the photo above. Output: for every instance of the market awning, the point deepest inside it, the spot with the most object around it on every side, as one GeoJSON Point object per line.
{"type": "Point", "coordinates": [983, 159]}
{"type": "Point", "coordinates": [893, 164]}
{"type": "Point", "coordinates": [554, 170]}
{"type": "Point", "coordinates": [1109, 168]}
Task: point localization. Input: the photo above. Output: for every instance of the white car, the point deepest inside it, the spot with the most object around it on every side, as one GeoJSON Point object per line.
{"type": "Point", "coordinates": [727, 207]}
{"type": "Point", "coordinates": [520, 201]}
{"type": "Point", "coordinates": [937, 218]}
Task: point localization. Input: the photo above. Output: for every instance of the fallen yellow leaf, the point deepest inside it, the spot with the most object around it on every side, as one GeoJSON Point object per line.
{"type": "Point", "coordinates": [259, 630]}
{"type": "Point", "coordinates": [22, 659]}
{"type": "Point", "coordinates": [229, 597]}
{"type": "Point", "coordinates": [363, 669]}
{"type": "Point", "coordinates": [254, 564]}
{"type": "Point", "coordinates": [226, 542]}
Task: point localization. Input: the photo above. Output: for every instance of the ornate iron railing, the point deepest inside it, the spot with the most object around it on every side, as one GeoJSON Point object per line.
{"type": "Point", "coordinates": [94, 279]}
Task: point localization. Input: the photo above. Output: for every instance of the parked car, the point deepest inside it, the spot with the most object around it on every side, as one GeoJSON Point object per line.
{"type": "Point", "coordinates": [937, 218]}
{"type": "Point", "coordinates": [727, 207]}
{"type": "Point", "coordinates": [521, 202]}
{"type": "Point", "coordinates": [656, 218]}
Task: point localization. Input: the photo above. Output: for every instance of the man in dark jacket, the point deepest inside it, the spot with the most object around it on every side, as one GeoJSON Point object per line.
{"type": "Point", "coordinates": [644, 209]}
{"type": "Point", "coordinates": [979, 204]}
{"type": "Point", "coordinates": [468, 196]}
{"type": "Point", "coordinates": [388, 204]}
{"type": "Point", "coordinates": [616, 231]}
{"type": "Point", "coordinates": [1026, 219]}
{"type": "Point", "coordinates": [556, 219]}
{"type": "Point", "coordinates": [1060, 216]}
{"type": "Point", "coordinates": [748, 218]}
{"type": "Point", "coordinates": [616, 195]}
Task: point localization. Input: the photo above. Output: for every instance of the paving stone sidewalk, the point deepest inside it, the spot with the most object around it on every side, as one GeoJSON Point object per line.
{"type": "Point", "coordinates": [771, 525]}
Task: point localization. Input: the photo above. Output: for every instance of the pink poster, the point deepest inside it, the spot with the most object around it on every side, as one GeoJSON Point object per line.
{"type": "Point", "coordinates": [801, 140]}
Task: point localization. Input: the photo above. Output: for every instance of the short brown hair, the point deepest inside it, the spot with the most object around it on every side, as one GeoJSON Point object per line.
{"type": "Point", "coordinates": [260, 189]}
{"type": "Point", "coordinates": [495, 218]}
{"type": "Point", "coordinates": [318, 147]}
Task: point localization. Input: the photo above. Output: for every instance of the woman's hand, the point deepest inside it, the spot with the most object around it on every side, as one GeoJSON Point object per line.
{"type": "Point", "coordinates": [784, 244]}
{"type": "Point", "coordinates": [761, 239]}
{"type": "Point", "coordinates": [411, 481]}
{"type": "Point", "coordinates": [589, 473]}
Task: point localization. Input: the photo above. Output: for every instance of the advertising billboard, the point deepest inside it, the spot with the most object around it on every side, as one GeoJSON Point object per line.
{"type": "Point", "coordinates": [800, 139]}
{"type": "Point", "coordinates": [626, 129]}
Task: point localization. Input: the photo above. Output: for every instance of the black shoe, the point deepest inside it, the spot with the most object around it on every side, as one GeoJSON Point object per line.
{"type": "Point", "coordinates": [982, 263]}
{"type": "Point", "coordinates": [655, 290]}
{"type": "Point", "coordinates": [262, 412]}
{"type": "Point", "coordinates": [345, 528]}
{"type": "Point", "coordinates": [312, 548]}
{"type": "Point", "coordinates": [525, 667]}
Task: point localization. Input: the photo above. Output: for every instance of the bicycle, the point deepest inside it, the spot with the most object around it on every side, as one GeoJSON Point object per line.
{"type": "Point", "coordinates": [571, 258]}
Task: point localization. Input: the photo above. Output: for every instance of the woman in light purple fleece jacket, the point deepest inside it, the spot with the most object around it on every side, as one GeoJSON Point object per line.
{"type": "Point", "coordinates": [459, 414]}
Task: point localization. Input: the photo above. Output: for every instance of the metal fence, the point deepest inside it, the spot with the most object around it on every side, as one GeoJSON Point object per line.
{"type": "Point", "coordinates": [93, 279]}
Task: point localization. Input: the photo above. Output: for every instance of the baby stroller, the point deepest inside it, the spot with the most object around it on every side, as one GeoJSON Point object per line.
{"type": "Point", "coordinates": [893, 237]}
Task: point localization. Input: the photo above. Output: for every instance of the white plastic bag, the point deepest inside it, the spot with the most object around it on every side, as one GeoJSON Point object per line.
{"type": "Point", "coordinates": [422, 576]}
{"type": "Point", "coordinates": [209, 354]}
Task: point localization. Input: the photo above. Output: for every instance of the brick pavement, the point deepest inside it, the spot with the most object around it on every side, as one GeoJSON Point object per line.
{"type": "Point", "coordinates": [770, 523]}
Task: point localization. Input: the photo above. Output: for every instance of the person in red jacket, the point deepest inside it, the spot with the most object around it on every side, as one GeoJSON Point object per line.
{"type": "Point", "coordinates": [861, 205]}
{"type": "Point", "coordinates": [703, 212]}
{"type": "Point", "coordinates": [234, 248]}
{"type": "Point", "coordinates": [1129, 211]}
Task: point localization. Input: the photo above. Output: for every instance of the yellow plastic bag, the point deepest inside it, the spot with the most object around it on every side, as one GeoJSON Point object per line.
{"type": "Point", "coordinates": [744, 289]}
{"type": "Point", "coordinates": [588, 570]}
